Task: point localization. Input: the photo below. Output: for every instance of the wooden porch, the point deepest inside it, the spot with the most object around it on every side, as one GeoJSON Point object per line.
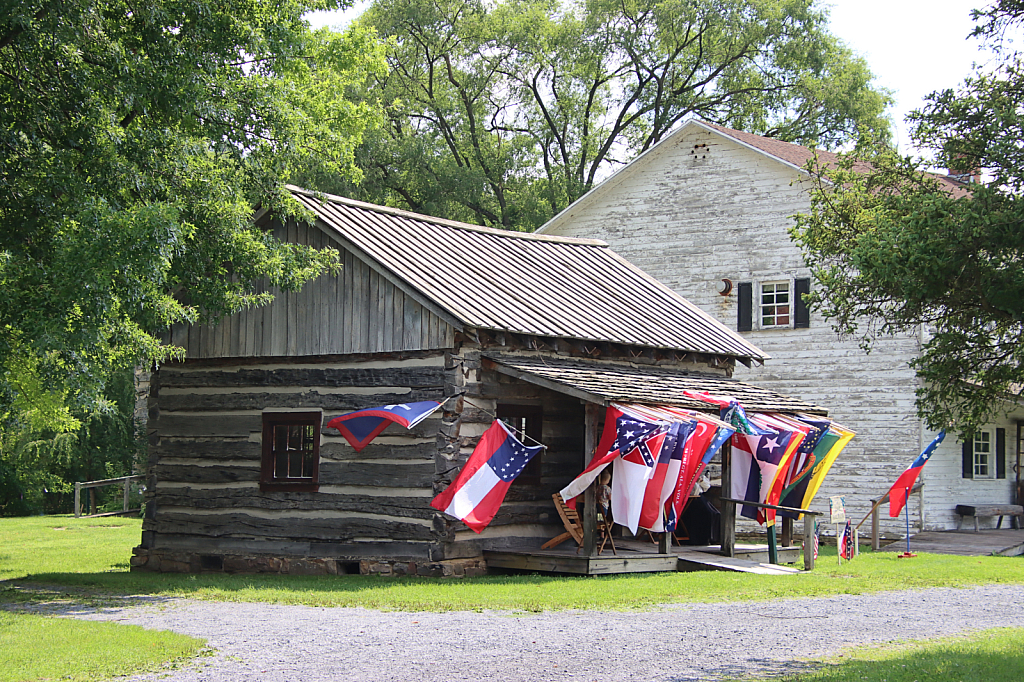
{"type": "Point", "coordinates": [1005, 542]}
{"type": "Point", "coordinates": [639, 556]}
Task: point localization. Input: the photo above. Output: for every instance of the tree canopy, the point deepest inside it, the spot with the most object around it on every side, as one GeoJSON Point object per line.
{"type": "Point", "coordinates": [504, 113]}
{"type": "Point", "coordinates": [135, 141]}
{"type": "Point", "coordinates": [895, 249]}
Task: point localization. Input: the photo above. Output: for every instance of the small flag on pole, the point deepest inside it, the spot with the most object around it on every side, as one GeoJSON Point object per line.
{"type": "Point", "coordinates": [898, 491]}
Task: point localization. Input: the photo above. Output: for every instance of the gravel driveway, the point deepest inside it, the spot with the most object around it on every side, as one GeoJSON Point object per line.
{"type": "Point", "coordinates": [267, 643]}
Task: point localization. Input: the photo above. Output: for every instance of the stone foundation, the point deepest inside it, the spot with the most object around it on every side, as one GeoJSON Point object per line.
{"type": "Point", "coordinates": [183, 562]}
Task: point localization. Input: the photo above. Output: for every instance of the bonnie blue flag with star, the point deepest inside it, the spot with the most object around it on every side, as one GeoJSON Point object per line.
{"type": "Point", "coordinates": [476, 494]}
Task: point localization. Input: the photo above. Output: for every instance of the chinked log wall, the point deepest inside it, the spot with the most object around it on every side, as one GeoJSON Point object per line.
{"type": "Point", "coordinates": [203, 491]}
{"type": "Point", "coordinates": [527, 517]}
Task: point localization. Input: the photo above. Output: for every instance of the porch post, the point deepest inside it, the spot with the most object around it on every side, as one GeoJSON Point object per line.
{"type": "Point", "coordinates": [590, 438]}
{"type": "Point", "coordinates": [728, 508]}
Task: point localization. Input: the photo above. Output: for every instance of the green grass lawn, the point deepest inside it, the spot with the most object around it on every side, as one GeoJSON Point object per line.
{"type": "Point", "coordinates": [46, 648]}
{"type": "Point", "coordinates": [62, 559]}
{"type": "Point", "coordinates": [48, 556]}
{"type": "Point", "coordinates": [995, 655]}
{"type": "Point", "coordinates": [35, 647]}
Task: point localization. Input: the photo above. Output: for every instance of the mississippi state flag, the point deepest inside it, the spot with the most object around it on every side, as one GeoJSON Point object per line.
{"type": "Point", "coordinates": [362, 426]}
{"type": "Point", "coordinates": [475, 496]}
{"type": "Point", "coordinates": [629, 480]}
{"type": "Point", "coordinates": [899, 489]}
{"type": "Point", "coordinates": [622, 433]}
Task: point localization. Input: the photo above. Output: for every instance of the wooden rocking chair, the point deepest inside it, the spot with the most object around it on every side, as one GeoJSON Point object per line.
{"type": "Point", "coordinates": [574, 528]}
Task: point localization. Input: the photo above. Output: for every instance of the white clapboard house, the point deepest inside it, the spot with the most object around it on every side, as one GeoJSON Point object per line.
{"type": "Point", "coordinates": [708, 207]}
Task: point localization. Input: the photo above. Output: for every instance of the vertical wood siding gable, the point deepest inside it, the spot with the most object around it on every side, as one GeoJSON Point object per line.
{"type": "Point", "coordinates": [358, 311]}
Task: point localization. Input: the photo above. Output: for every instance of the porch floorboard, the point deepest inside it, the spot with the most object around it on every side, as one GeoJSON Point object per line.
{"type": "Point", "coordinates": [1004, 542]}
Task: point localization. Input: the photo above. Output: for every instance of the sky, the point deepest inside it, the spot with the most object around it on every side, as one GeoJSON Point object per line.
{"type": "Point", "coordinates": [914, 47]}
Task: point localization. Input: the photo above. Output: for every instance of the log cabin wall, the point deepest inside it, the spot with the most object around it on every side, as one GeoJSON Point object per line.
{"type": "Point", "coordinates": [359, 311]}
{"type": "Point", "coordinates": [205, 509]}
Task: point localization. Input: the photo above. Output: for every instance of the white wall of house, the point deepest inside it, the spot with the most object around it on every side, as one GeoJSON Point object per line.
{"type": "Point", "coordinates": [692, 215]}
{"type": "Point", "coordinates": [945, 486]}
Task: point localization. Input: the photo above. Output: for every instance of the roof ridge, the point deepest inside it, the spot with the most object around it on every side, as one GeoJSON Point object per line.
{"type": "Point", "coordinates": [740, 135]}
{"type": "Point", "coordinates": [354, 203]}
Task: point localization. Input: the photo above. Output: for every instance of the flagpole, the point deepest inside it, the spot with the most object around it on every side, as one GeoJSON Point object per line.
{"type": "Point", "coordinates": [906, 508]}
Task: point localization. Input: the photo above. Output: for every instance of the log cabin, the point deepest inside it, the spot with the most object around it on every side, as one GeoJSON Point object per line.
{"type": "Point", "coordinates": [708, 211]}
{"type": "Point", "coordinates": [540, 331]}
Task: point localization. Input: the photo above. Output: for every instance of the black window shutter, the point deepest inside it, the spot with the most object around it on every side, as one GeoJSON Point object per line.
{"type": "Point", "coordinates": [745, 307]}
{"type": "Point", "coordinates": [801, 315]}
{"type": "Point", "coordinates": [1000, 453]}
{"type": "Point", "coordinates": [968, 465]}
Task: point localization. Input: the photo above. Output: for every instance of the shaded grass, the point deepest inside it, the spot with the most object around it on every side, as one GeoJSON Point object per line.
{"type": "Point", "coordinates": [995, 655]}
{"type": "Point", "coordinates": [89, 559]}
{"type": "Point", "coordinates": [39, 648]}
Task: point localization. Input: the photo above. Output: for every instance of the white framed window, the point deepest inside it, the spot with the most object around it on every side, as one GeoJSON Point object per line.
{"type": "Point", "coordinates": [775, 306]}
{"type": "Point", "coordinates": [984, 454]}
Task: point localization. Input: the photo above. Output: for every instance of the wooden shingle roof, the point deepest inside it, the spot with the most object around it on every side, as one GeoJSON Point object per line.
{"type": "Point", "coordinates": [604, 383]}
{"type": "Point", "coordinates": [525, 283]}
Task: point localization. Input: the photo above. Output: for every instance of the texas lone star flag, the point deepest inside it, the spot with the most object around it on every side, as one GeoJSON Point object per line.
{"type": "Point", "coordinates": [475, 496]}
{"type": "Point", "coordinates": [362, 426]}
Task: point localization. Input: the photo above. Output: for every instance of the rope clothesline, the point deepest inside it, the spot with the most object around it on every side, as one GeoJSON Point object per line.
{"type": "Point", "coordinates": [522, 434]}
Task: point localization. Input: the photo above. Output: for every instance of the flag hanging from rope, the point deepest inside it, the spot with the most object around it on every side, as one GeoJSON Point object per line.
{"type": "Point", "coordinates": [362, 426]}
{"type": "Point", "coordinates": [708, 437]}
{"type": "Point", "coordinates": [898, 491]}
{"type": "Point", "coordinates": [476, 494]}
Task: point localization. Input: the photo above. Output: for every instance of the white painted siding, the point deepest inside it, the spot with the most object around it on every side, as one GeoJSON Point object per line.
{"type": "Point", "coordinates": [691, 220]}
{"type": "Point", "coordinates": [946, 487]}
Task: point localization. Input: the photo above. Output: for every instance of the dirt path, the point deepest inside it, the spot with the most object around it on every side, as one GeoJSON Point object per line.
{"type": "Point", "coordinates": [269, 643]}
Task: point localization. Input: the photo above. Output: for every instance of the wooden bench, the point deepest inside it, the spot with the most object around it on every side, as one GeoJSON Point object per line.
{"type": "Point", "coordinates": [1014, 510]}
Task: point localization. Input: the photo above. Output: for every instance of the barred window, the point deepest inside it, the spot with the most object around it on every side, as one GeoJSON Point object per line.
{"type": "Point", "coordinates": [291, 451]}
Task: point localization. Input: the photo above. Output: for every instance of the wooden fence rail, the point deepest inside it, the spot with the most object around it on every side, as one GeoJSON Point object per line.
{"type": "Point", "coordinates": [92, 485]}
{"type": "Point", "coordinates": [876, 541]}
{"type": "Point", "coordinates": [728, 548]}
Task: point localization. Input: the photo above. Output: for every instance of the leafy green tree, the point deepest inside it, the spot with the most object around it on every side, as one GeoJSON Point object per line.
{"type": "Point", "coordinates": [135, 140]}
{"type": "Point", "coordinates": [42, 458]}
{"type": "Point", "coordinates": [895, 248]}
{"type": "Point", "coordinates": [504, 113]}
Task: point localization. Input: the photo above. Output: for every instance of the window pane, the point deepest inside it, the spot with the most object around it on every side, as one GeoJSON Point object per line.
{"type": "Point", "coordinates": [775, 308]}
{"type": "Point", "coordinates": [982, 454]}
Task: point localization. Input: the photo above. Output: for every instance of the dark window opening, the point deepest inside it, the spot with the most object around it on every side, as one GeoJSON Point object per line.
{"type": "Point", "coordinates": [528, 420]}
{"type": "Point", "coordinates": [291, 451]}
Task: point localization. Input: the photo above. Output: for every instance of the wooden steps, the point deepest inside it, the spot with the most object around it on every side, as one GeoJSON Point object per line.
{"type": "Point", "coordinates": [695, 560]}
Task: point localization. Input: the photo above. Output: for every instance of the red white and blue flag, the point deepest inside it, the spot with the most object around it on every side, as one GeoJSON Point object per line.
{"type": "Point", "coordinates": [621, 430]}
{"type": "Point", "coordinates": [898, 491]}
{"type": "Point", "coordinates": [665, 476]}
{"type": "Point", "coordinates": [756, 460]}
{"type": "Point", "coordinates": [708, 437]}
{"type": "Point", "coordinates": [362, 426]}
{"type": "Point", "coordinates": [845, 542]}
{"type": "Point", "coordinates": [476, 494]}
{"type": "Point", "coordinates": [629, 479]}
